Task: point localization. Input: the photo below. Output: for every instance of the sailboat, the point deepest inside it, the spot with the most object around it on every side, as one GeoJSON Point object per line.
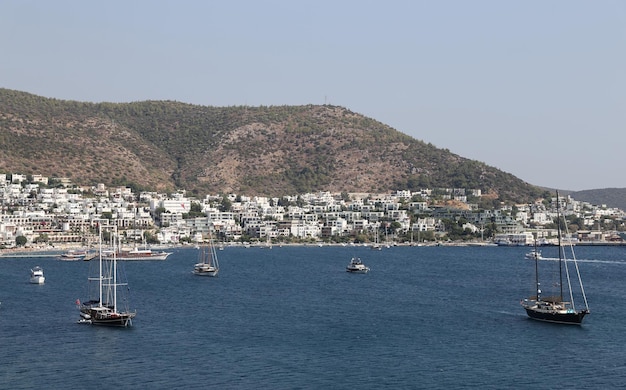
{"type": "Point", "coordinates": [554, 308]}
{"type": "Point", "coordinates": [376, 246]}
{"type": "Point", "coordinates": [105, 293]}
{"type": "Point", "coordinates": [207, 264]}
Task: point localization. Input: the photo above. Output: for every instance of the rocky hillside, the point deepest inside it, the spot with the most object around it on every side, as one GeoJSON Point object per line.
{"type": "Point", "coordinates": [277, 150]}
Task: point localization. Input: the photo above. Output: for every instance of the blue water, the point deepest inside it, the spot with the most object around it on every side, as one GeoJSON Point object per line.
{"type": "Point", "coordinates": [291, 317]}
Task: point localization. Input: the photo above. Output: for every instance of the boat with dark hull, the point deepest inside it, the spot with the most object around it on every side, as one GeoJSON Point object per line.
{"type": "Point", "coordinates": [108, 303]}
{"type": "Point", "coordinates": [554, 308]}
{"type": "Point", "coordinates": [558, 311]}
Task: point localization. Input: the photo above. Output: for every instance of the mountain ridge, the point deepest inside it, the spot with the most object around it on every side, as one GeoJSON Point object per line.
{"type": "Point", "coordinates": [264, 150]}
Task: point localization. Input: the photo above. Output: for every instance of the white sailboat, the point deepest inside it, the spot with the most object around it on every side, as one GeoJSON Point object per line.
{"type": "Point", "coordinates": [208, 264]}
{"type": "Point", "coordinates": [376, 246]}
{"type": "Point", "coordinates": [107, 304]}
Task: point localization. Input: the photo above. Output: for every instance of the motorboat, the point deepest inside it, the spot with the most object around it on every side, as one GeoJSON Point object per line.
{"type": "Point", "coordinates": [356, 266]}
{"type": "Point", "coordinates": [534, 255]}
{"type": "Point", "coordinates": [36, 275]}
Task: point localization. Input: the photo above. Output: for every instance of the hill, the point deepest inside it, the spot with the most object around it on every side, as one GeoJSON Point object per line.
{"type": "Point", "coordinates": [612, 197]}
{"type": "Point", "coordinates": [276, 150]}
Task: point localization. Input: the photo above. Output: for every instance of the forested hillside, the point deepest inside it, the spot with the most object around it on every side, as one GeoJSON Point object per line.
{"type": "Point", "coordinates": [276, 150]}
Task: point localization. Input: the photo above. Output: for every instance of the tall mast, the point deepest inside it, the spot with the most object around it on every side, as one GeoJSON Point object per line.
{"type": "Point", "coordinates": [538, 290]}
{"type": "Point", "coordinates": [115, 269]}
{"type": "Point", "coordinates": [100, 262]}
{"type": "Point", "coordinates": [558, 214]}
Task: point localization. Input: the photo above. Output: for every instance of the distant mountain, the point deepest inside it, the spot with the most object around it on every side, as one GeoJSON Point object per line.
{"type": "Point", "coordinates": [612, 197]}
{"type": "Point", "coordinates": [276, 150]}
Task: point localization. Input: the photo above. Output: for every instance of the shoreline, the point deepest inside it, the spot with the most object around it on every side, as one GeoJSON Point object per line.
{"type": "Point", "coordinates": [56, 251]}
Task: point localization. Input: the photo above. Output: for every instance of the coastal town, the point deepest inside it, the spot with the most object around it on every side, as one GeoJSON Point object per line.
{"type": "Point", "coordinates": [38, 212]}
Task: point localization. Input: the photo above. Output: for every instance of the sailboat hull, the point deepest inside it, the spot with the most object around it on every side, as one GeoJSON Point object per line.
{"type": "Point", "coordinates": [123, 320]}
{"type": "Point", "coordinates": [205, 273]}
{"type": "Point", "coordinates": [541, 311]}
{"type": "Point", "coordinates": [106, 317]}
{"type": "Point", "coordinates": [575, 318]}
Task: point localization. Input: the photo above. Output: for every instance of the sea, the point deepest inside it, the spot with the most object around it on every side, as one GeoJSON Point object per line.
{"type": "Point", "coordinates": [291, 317]}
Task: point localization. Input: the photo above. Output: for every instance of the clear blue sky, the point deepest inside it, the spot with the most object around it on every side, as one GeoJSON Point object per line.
{"type": "Point", "coordinates": [535, 88]}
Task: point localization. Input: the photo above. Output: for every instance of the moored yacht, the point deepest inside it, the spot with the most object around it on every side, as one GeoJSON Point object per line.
{"type": "Point", "coordinates": [557, 305]}
{"type": "Point", "coordinates": [356, 266]}
{"type": "Point", "coordinates": [208, 264]}
{"type": "Point", "coordinates": [36, 275]}
{"type": "Point", "coordinates": [108, 290]}
{"type": "Point", "coordinates": [138, 254]}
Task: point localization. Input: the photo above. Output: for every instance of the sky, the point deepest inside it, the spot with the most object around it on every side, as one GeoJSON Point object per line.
{"type": "Point", "coordinates": [535, 88]}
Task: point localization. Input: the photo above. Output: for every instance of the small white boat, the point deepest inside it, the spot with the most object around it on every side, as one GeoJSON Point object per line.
{"type": "Point", "coordinates": [534, 255]}
{"type": "Point", "coordinates": [36, 275]}
{"type": "Point", "coordinates": [357, 267]}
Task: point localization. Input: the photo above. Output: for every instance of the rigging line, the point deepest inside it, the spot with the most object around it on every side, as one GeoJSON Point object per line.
{"type": "Point", "coordinates": [562, 251]}
{"type": "Point", "coordinates": [580, 283]}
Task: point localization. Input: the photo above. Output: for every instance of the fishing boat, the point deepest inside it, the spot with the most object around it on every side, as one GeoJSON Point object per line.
{"type": "Point", "coordinates": [108, 303]}
{"type": "Point", "coordinates": [356, 266]}
{"type": "Point", "coordinates": [208, 264]}
{"type": "Point", "coordinates": [551, 306]}
{"type": "Point", "coordinates": [36, 275]}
